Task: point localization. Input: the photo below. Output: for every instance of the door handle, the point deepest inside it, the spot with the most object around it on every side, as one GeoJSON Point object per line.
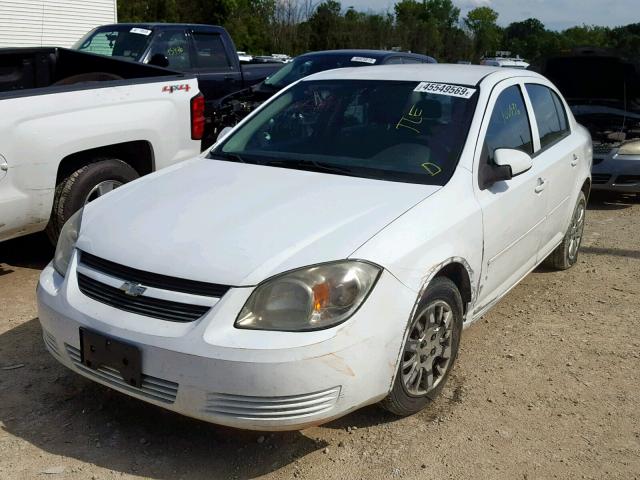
{"type": "Point", "coordinates": [574, 162]}
{"type": "Point", "coordinates": [4, 167]}
{"type": "Point", "coordinates": [541, 185]}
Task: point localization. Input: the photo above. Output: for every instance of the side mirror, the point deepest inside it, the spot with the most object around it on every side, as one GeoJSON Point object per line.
{"type": "Point", "coordinates": [518, 161]}
{"type": "Point", "coordinates": [223, 133]}
{"type": "Point", "coordinates": [159, 60]}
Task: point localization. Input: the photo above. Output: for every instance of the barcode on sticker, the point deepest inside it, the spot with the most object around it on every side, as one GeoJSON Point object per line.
{"type": "Point", "coordinates": [363, 60]}
{"type": "Point", "coordinates": [141, 31]}
{"type": "Point", "coordinates": [445, 89]}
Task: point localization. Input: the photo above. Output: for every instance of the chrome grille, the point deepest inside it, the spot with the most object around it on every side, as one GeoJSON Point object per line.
{"type": "Point", "coordinates": [271, 408]}
{"type": "Point", "coordinates": [142, 305]}
{"type": "Point", "coordinates": [602, 149]}
{"type": "Point", "coordinates": [150, 279]}
{"type": "Point", "coordinates": [152, 387]}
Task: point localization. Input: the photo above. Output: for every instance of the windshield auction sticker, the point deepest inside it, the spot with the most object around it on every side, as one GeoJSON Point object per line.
{"type": "Point", "coordinates": [363, 60]}
{"type": "Point", "coordinates": [445, 89]}
{"type": "Point", "coordinates": [141, 31]}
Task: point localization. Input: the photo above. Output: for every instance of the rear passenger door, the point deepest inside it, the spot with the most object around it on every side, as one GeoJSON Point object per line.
{"type": "Point", "coordinates": [513, 211]}
{"type": "Point", "coordinates": [218, 75]}
{"type": "Point", "coordinates": [556, 155]}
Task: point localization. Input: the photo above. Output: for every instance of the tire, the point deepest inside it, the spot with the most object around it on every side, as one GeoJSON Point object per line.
{"type": "Point", "coordinates": [408, 397]}
{"type": "Point", "coordinates": [84, 185]}
{"type": "Point", "coordinates": [566, 254]}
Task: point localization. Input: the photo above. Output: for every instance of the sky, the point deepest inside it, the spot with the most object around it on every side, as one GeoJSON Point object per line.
{"type": "Point", "coordinates": [555, 14]}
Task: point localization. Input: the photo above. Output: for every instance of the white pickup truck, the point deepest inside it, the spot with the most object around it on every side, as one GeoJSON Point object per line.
{"type": "Point", "coordinates": [74, 126]}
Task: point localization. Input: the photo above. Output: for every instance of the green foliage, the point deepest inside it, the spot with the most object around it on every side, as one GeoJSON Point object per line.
{"type": "Point", "coordinates": [432, 27]}
{"type": "Point", "coordinates": [487, 35]}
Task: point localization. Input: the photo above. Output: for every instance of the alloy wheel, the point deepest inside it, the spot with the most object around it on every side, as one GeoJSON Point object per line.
{"type": "Point", "coordinates": [427, 352]}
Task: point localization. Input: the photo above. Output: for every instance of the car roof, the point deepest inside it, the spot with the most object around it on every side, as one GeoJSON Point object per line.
{"type": "Point", "coordinates": [377, 54]}
{"type": "Point", "coordinates": [160, 25]}
{"type": "Point", "coordinates": [432, 72]}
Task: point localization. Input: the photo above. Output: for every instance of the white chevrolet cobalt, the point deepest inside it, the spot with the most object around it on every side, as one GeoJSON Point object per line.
{"type": "Point", "coordinates": [328, 251]}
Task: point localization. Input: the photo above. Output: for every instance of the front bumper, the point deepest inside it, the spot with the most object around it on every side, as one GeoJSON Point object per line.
{"type": "Point", "coordinates": [240, 378]}
{"type": "Point", "coordinates": [616, 173]}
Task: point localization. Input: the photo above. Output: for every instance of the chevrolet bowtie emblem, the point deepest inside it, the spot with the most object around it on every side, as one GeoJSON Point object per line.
{"type": "Point", "coordinates": [132, 289]}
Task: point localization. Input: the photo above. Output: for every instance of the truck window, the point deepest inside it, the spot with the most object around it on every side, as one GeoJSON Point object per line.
{"type": "Point", "coordinates": [210, 51]}
{"type": "Point", "coordinates": [116, 41]}
{"type": "Point", "coordinates": [173, 45]}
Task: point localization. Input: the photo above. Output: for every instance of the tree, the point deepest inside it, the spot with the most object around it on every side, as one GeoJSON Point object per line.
{"type": "Point", "coordinates": [486, 33]}
{"type": "Point", "coordinates": [527, 38]}
{"type": "Point", "coordinates": [325, 25]}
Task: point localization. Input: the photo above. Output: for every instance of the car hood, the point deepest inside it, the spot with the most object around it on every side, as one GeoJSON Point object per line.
{"type": "Point", "coordinates": [596, 79]}
{"type": "Point", "coordinates": [237, 224]}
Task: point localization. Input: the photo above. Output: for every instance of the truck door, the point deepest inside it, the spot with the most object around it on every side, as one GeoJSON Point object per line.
{"type": "Point", "coordinates": [218, 74]}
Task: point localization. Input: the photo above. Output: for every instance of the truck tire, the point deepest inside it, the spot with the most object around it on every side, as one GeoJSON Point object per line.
{"type": "Point", "coordinates": [566, 254]}
{"type": "Point", "coordinates": [84, 185]}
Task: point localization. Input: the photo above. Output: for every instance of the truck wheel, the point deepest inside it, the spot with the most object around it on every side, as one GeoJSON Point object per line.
{"type": "Point", "coordinates": [429, 351]}
{"type": "Point", "coordinates": [566, 254]}
{"type": "Point", "coordinates": [84, 185]}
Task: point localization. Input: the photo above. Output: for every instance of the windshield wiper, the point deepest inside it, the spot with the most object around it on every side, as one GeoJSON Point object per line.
{"type": "Point", "coordinates": [230, 157]}
{"type": "Point", "coordinates": [310, 165]}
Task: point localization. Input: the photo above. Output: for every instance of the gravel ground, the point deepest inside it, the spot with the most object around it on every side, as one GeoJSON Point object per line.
{"type": "Point", "coordinates": [546, 386]}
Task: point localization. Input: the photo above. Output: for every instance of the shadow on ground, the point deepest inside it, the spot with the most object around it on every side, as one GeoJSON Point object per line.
{"type": "Point", "coordinates": [61, 413]}
{"type": "Point", "coordinates": [32, 251]}
{"type": "Point", "coordinates": [612, 201]}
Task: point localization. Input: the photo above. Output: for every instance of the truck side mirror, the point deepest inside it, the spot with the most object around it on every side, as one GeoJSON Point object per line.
{"type": "Point", "coordinates": [159, 60]}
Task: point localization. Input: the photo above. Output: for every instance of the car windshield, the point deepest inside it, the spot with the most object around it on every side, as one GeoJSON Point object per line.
{"type": "Point", "coordinates": [116, 41]}
{"type": "Point", "coordinates": [387, 130]}
{"type": "Point", "coordinates": [306, 65]}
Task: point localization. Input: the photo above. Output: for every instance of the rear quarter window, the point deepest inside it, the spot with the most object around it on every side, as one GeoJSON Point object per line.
{"type": "Point", "coordinates": [551, 117]}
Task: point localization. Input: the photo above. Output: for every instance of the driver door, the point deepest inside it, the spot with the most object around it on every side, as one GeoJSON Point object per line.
{"type": "Point", "coordinates": [514, 210]}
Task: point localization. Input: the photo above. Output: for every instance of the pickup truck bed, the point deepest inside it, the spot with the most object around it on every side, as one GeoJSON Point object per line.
{"type": "Point", "coordinates": [76, 125]}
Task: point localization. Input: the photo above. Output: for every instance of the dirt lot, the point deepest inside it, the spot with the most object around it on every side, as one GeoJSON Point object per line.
{"type": "Point", "coordinates": [547, 386]}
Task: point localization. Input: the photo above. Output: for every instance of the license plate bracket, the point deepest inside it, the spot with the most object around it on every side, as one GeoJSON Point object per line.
{"type": "Point", "coordinates": [97, 350]}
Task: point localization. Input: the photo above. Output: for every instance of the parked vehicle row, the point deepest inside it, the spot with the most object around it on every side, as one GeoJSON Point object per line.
{"type": "Point", "coordinates": [229, 110]}
{"type": "Point", "coordinates": [205, 51]}
{"type": "Point", "coordinates": [328, 251]}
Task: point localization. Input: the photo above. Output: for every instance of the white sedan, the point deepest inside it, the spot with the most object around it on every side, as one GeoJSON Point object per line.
{"type": "Point", "coordinates": [327, 252]}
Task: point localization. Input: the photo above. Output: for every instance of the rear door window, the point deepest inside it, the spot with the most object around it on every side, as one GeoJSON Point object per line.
{"type": "Point", "coordinates": [509, 124]}
{"type": "Point", "coordinates": [551, 117]}
{"type": "Point", "coordinates": [210, 51]}
{"type": "Point", "coordinates": [172, 44]}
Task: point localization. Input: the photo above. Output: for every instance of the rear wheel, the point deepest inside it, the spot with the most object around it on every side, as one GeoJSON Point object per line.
{"type": "Point", "coordinates": [83, 186]}
{"type": "Point", "coordinates": [566, 254]}
{"type": "Point", "coordinates": [429, 351]}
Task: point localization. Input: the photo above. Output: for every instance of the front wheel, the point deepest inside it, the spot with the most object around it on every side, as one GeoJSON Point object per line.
{"type": "Point", "coordinates": [429, 351]}
{"type": "Point", "coordinates": [566, 254]}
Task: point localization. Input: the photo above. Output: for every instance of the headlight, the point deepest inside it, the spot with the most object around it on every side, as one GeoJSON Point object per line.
{"type": "Point", "coordinates": [631, 147]}
{"type": "Point", "coordinates": [310, 298]}
{"type": "Point", "coordinates": [67, 242]}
